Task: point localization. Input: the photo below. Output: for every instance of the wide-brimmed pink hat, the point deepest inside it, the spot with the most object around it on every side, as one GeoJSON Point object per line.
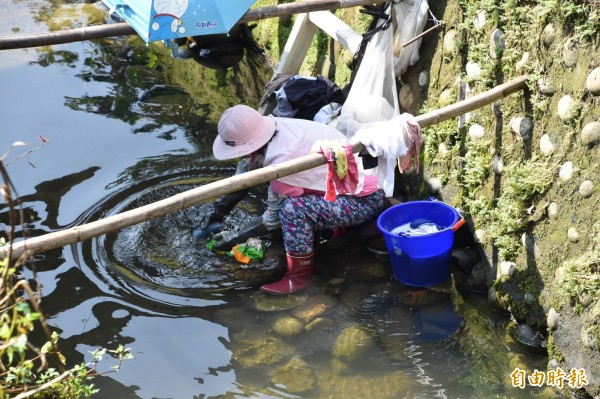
{"type": "Point", "coordinates": [242, 130]}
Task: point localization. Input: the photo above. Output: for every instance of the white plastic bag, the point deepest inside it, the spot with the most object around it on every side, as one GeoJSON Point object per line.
{"type": "Point", "coordinates": [410, 17]}
{"type": "Point", "coordinates": [373, 96]}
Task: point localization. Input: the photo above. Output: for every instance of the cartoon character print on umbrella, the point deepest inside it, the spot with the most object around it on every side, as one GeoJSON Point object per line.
{"type": "Point", "coordinates": [169, 11]}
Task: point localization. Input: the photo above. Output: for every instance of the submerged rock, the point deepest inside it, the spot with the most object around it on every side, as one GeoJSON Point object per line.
{"type": "Point", "coordinates": [288, 326]}
{"type": "Point", "coordinates": [529, 337]}
{"type": "Point", "coordinates": [395, 384]}
{"type": "Point", "coordinates": [320, 324]}
{"type": "Point", "coordinates": [352, 343]}
{"type": "Point", "coordinates": [252, 348]}
{"type": "Point", "coordinates": [497, 301]}
{"type": "Point", "coordinates": [297, 376]}
{"type": "Point", "coordinates": [364, 299]}
{"type": "Point", "coordinates": [274, 303]}
{"type": "Point", "coordinates": [314, 307]}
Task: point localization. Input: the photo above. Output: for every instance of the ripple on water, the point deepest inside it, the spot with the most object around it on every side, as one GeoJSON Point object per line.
{"type": "Point", "coordinates": [160, 255]}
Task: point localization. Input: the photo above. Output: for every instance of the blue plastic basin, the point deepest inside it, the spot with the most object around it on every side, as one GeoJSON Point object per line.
{"type": "Point", "coordinates": [420, 260]}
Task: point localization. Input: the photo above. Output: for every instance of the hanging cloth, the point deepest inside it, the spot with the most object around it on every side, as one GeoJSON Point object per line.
{"type": "Point", "coordinates": [394, 142]}
{"type": "Point", "coordinates": [342, 171]}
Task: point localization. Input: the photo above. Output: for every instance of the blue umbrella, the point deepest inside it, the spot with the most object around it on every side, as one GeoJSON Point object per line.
{"type": "Point", "coordinates": [168, 19]}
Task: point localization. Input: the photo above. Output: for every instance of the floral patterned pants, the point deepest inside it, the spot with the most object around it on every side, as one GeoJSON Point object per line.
{"type": "Point", "coordinates": [302, 216]}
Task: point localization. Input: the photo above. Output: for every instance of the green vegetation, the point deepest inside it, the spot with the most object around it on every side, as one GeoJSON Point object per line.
{"type": "Point", "coordinates": [582, 275]}
{"type": "Point", "coordinates": [25, 368]}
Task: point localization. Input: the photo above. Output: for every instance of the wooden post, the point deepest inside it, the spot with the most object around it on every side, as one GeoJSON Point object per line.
{"type": "Point", "coordinates": [182, 200]}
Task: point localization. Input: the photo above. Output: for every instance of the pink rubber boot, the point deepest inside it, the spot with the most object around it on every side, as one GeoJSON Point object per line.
{"type": "Point", "coordinates": [299, 269]}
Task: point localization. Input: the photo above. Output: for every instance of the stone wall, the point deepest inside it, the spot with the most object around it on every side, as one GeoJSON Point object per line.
{"type": "Point", "coordinates": [525, 170]}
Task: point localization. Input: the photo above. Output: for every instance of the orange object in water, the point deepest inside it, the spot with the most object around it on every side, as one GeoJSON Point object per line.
{"type": "Point", "coordinates": [240, 257]}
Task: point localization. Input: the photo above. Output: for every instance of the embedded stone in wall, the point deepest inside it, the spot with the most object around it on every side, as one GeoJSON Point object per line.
{"type": "Point", "coordinates": [530, 245]}
{"type": "Point", "coordinates": [442, 150]}
{"type": "Point", "coordinates": [567, 107]}
{"type": "Point", "coordinates": [522, 62]}
{"type": "Point", "coordinates": [590, 134]}
{"type": "Point", "coordinates": [497, 42]}
{"type": "Point", "coordinates": [546, 145]}
{"type": "Point", "coordinates": [559, 275]}
{"type": "Point", "coordinates": [450, 39]}
{"type": "Point", "coordinates": [508, 268]}
{"type": "Point", "coordinates": [586, 188]}
{"type": "Point", "coordinates": [552, 319]}
{"type": "Point", "coordinates": [473, 70]}
{"type": "Point", "coordinates": [476, 132]}
{"type": "Point", "coordinates": [592, 83]}
{"type": "Point", "coordinates": [546, 86]}
{"type": "Point", "coordinates": [434, 184]}
{"type": "Point", "coordinates": [587, 338]}
{"type": "Point", "coordinates": [548, 35]}
{"type": "Point", "coordinates": [406, 98]}
{"type": "Point", "coordinates": [553, 210]}
{"type": "Point", "coordinates": [529, 298]}
{"type": "Point", "coordinates": [585, 298]}
{"type": "Point", "coordinates": [570, 53]}
{"type": "Point", "coordinates": [423, 78]}
{"type": "Point", "coordinates": [566, 171]}
{"type": "Point", "coordinates": [479, 236]}
{"type": "Point", "coordinates": [497, 164]}
{"type": "Point", "coordinates": [523, 126]}
{"type": "Point", "coordinates": [572, 235]}
{"type": "Point", "coordinates": [446, 98]}
{"type": "Point", "coordinates": [479, 20]}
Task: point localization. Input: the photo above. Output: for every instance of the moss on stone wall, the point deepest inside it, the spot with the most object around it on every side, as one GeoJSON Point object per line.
{"type": "Point", "coordinates": [525, 196]}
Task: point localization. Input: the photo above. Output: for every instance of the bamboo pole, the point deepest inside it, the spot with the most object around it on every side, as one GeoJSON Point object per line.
{"type": "Point", "coordinates": [188, 198]}
{"type": "Point", "coordinates": [123, 28]}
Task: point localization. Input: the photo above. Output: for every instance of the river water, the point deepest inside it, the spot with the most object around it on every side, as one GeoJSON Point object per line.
{"type": "Point", "coordinates": [124, 127]}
